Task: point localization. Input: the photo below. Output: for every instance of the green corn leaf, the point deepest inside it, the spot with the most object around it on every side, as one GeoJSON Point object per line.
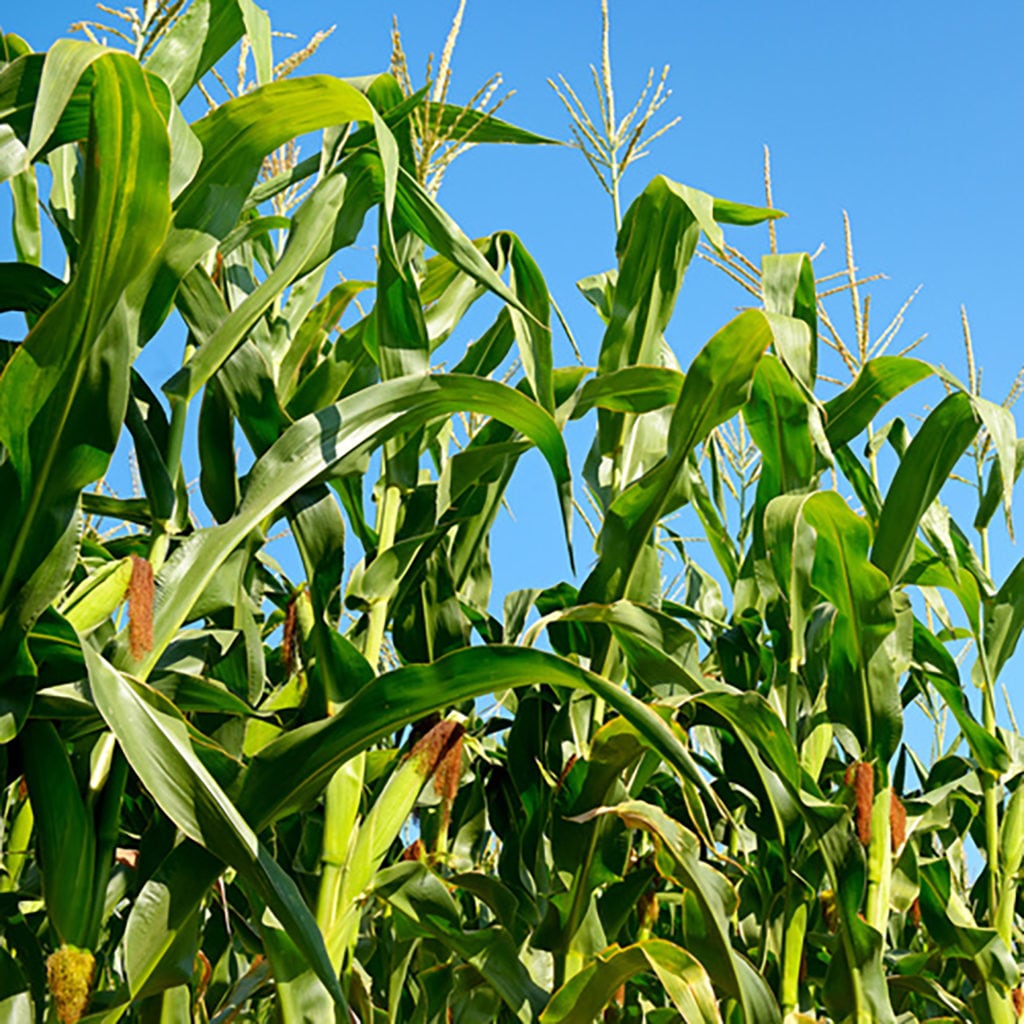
{"type": "Point", "coordinates": [426, 904]}
{"type": "Point", "coordinates": [581, 999]}
{"type": "Point", "coordinates": [328, 220]}
{"type": "Point", "coordinates": [271, 786]}
{"type": "Point", "coordinates": [937, 663]}
{"type": "Point", "coordinates": [995, 488]}
{"type": "Point", "coordinates": [28, 288]}
{"type": "Point", "coordinates": [25, 222]}
{"type": "Point", "coordinates": [62, 94]}
{"type": "Point", "coordinates": [67, 844]}
{"type": "Point", "coordinates": [323, 441]}
{"type": "Point", "coordinates": [878, 382]}
{"type": "Point", "coordinates": [234, 139]}
{"type": "Point", "coordinates": [789, 544]}
{"type": "Point", "coordinates": [482, 262]}
{"type": "Point", "coordinates": [660, 649]}
{"type": "Point", "coordinates": [632, 389]}
{"type": "Point", "coordinates": [466, 123]}
{"type": "Point", "coordinates": [716, 386]}
{"type": "Point", "coordinates": [203, 34]}
{"type": "Point", "coordinates": [1004, 620]}
{"type": "Point", "coordinates": [922, 472]}
{"type": "Point", "coordinates": [952, 925]}
{"type": "Point", "coordinates": [778, 418]}
{"type": "Point", "coordinates": [678, 857]}
{"type": "Point", "coordinates": [59, 438]}
{"type": "Point", "coordinates": [156, 742]}
{"type": "Point", "coordinates": [657, 240]}
{"type": "Point", "coordinates": [238, 134]}
{"type": "Point", "coordinates": [864, 670]}
{"type": "Point", "coordinates": [161, 933]}
{"type": "Point", "coordinates": [1002, 432]}
{"type": "Point", "coordinates": [788, 285]}
{"type": "Point", "coordinates": [726, 212]}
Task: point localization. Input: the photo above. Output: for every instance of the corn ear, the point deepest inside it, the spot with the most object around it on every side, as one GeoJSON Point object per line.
{"type": "Point", "coordinates": [97, 597]}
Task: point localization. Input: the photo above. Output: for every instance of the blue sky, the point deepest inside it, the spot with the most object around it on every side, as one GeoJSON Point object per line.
{"type": "Point", "coordinates": [907, 115]}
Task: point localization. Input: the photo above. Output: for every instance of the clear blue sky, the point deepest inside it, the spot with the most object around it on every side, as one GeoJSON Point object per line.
{"type": "Point", "coordinates": [908, 115]}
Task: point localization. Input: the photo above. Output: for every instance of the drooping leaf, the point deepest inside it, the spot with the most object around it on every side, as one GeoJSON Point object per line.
{"type": "Point", "coordinates": [863, 691]}
{"type": "Point", "coordinates": [58, 437]}
{"type": "Point", "coordinates": [716, 386]}
{"type": "Point", "coordinates": [879, 381]}
{"type": "Point", "coordinates": [922, 472]}
{"type": "Point", "coordinates": [322, 442]}
{"type": "Point", "coordinates": [677, 857]}
{"type": "Point", "coordinates": [581, 999]}
{"type": "Point", "coordinates": [272, 787]}
{"type": "Point", "coordinates": [156, 742]}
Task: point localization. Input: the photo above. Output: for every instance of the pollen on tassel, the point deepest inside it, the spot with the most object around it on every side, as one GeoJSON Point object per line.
{"type": "Point", "coordinates": [140, 607]}
{"type": "Point", "coordinates": [864, 793]}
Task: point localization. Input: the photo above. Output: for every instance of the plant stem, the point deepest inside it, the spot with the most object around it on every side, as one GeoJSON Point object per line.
{"type": "Point", "coordinates": [342, 797]}
{"type": "Point", "coordinates": [793, 950]}
{"type": "Point", "coordinates": [160, 537]}
{"type": "Point", "coordinates": [108, 828]}
{"type": "Point", "coordinates": [990, 787]}
{"type": "Point", "coordinates": [16, 847]}
{"type": "Point", "coordinates": [616, 202]}
{"type": "Point", "coordinates": [880, 860]}
{"type": "Point", "coordinates": [387, 524]}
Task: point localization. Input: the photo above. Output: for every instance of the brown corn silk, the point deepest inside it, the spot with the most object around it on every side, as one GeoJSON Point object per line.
{"type": "Point", "coordinates": [140, 607]}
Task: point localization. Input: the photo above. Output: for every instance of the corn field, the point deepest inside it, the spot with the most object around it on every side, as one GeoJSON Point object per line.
{"type": "Point", "coordinates": [250, 777]}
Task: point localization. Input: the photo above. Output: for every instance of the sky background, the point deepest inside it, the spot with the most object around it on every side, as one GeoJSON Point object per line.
{"type": "Point", "coordinates": [909, 116]}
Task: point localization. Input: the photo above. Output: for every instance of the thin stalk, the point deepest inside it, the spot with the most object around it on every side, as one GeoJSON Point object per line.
{"type": "Point", "coordinates": [1011, 842]}
{"type": "Point", "coordinates": [160, 537]}
{"type": "Point", "coordinates": [342, 797]}
{"type": "Point", "coordinates": [990, 787]}
{"type": "Point", "coordinates": [792, 700]}
{"type": "Point", "coordinates": [568, 961]}
{"type": "Point", "coordinates": [16, 849]}
{"type": "Point", "coordinates": [108, 828]}
{"type": "Point", "coordinates": [387, 524]}
{"type": "Point", "coordinates": [341, 811]}
{"type": "Point", "coordinates": [880, 861]}
{"type": "Point", "coordinates": [872, 454]}
{"type": "Point", "coordinates": [793, 950]}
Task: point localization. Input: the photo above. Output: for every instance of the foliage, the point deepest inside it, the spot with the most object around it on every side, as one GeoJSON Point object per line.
{"type": "Point", "coordinates": [244, 787]}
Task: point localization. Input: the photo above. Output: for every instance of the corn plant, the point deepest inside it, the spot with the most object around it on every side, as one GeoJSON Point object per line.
{"type": "Point", "coordinates": [248, 777]}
